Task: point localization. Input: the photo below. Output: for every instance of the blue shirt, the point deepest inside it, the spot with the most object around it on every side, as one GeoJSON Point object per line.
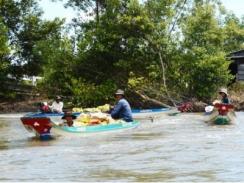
{"type": "Point", "coordinates": [122, 110]}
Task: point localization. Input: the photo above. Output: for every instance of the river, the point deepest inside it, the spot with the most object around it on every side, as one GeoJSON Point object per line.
{"type": "Point", "coordinates": [173, 148]}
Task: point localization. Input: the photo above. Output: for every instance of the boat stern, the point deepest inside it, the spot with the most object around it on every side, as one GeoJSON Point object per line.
{"type": "Point", "coordinates": [39, 126]}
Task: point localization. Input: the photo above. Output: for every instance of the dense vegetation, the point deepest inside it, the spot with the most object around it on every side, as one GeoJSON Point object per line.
{"type": "Point", "coordinates": [169, 50]}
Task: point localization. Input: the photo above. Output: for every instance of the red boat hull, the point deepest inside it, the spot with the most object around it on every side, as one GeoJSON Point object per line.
{"type": "Point", "coordinates": [40, 125]}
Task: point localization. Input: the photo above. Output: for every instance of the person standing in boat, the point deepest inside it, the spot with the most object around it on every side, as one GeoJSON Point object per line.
{"type": "Point", "coordinates": [122, 109]}
{"type": "Point", "coordinates": [57, 105]}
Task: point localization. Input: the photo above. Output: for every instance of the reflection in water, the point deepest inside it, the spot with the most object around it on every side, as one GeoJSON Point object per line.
{"type": "Point", "coordinates": [174, 148]}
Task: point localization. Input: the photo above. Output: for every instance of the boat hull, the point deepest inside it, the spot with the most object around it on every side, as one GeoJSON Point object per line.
{"type": "Point", "coordinates": [151, 114]}
{"type": "Point", "coordinates": [46, 126]}
{"type": "Point", "coordinates": [222, 120]}
{"type": "Point", "coordinates": [84, 130]}
{"type": "Point", "coordinates": [39, 126]}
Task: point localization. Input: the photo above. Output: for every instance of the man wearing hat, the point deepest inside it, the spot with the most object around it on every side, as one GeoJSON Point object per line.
{"type": "Point", "coordinates": [57, 105]}
{"type": "Point", "coordinates": [122, 109]}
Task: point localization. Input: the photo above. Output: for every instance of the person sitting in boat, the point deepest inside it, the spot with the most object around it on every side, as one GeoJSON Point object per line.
{"type": "Point", "coordinates": [57, 105]}
{"type": "Point", "coordinates": [68, 117]}
{"type": "Point", "coordinates": [222, 107]}
{"type": "Point", "coordinates": [44, 107]}
{"type": "Point", "coordinates": [122, 109]}
{"type": "Point", "coordinates": [224, 96]}
{"type": "Point", "coordinates": [224, 100]}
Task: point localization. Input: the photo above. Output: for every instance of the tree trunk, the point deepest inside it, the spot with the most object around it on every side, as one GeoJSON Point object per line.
{"type": "Point", "coordinates": [145, 97]}
{"type": "Point", "coordinates": [164, 79]}
{"type": "Point", "coordinates": [97, 10]}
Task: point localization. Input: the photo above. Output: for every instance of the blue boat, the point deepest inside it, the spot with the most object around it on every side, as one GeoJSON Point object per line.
{"type": "Point", "coordinates": [137, 113]}
{"type": "Point", "coordinates": [121, 125]}
{"type": "Point", "coordinates": [45, 126]}
{"type": "Point", "coordinates": [41, 114]}
{"type": "Point", "coordinates": [149, 114]}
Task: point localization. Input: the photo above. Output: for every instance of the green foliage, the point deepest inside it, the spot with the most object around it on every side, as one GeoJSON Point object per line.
{"type": "Point", "coordinates": [159, 47]}
{"type": "Point", "coordinates": [59, 65]}
{"type": "Point", "coordinates": [208, 76]}
{"type": "Point", "coordinates": [115, 46]}
{"type": "Point", "coordinates": [87, 95]}
{"type": "Point", "coordinates": [4, 57]}
{"type": "Point", "coordinates": [25, 28]}
{"type": "Point", "coordinates": [204, 53]}
{"type": "Point", "coordinates": [234, 34]}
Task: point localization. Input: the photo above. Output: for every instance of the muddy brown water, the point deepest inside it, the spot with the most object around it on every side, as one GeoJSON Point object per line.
{"type": "Point", "coordinates": [173, 148]}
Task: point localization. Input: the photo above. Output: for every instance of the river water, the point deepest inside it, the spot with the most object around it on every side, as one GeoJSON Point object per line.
{"type": "Point", "coordinates": [173, 148]}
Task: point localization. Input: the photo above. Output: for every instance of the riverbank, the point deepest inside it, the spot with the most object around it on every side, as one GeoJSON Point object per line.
{"type": "Point", "coordinates": [24, 105]}
{"type": "Point", "coordinates": [30, 104]}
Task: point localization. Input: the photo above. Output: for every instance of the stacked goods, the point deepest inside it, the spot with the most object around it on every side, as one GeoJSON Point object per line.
{"type": "Point", "coordinates": [91, 110]}
{"type": "Point", "coordinates": [77, 109]}
{"type": "Point", "coordinates": [93, 119]}
{"type": "Point", "coordinates": [103, 108]}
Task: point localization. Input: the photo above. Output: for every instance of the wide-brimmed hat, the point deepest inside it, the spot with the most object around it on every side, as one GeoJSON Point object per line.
{"type": "Point", "coordinates": [58, 98]}
{"type": "Point", "coordinates": [120, 92]}
{"type": "Point", "coordinates": [223, 90]}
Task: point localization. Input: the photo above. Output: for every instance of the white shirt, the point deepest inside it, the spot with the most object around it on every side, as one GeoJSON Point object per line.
{"type": "Point", "coordinates": [57, 107]}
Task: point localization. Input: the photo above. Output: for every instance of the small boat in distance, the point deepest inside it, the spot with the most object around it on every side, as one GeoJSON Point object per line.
{"type": "Point", "coordinates": [222, 114]}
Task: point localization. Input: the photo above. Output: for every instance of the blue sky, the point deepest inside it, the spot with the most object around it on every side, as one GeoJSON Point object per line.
{"type": "Point", "coordinates": [56, 9]}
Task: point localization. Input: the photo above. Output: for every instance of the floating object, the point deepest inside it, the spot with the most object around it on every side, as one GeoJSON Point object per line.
{"type": "Point", "coordinates": [209, 109]}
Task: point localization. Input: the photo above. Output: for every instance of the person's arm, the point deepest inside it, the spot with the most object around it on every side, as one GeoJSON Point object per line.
{"type": "Point", "coordinates": [61, 106]}
{"type": "Point", "coordinates": [53, 105]}
{"type": "Point", "coordinates": [116, 110]}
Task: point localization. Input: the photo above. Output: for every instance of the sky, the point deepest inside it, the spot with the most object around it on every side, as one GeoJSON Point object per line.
{"type": "Point", "coordinates": [56, 9]}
